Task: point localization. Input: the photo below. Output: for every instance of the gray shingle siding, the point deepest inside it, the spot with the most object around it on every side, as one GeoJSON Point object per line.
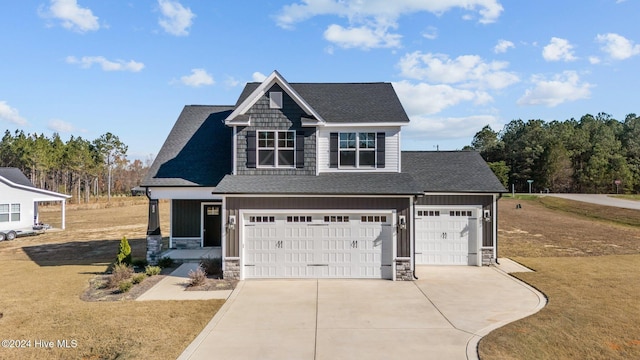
{"type": "Point", "coordinates": [287, 118]}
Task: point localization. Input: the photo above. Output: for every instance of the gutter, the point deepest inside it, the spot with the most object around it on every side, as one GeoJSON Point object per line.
{"type": "Point", "coordinates": [496, 218]}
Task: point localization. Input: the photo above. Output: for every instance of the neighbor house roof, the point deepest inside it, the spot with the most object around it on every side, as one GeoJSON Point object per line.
{"type": "Point", "coordinates": [15, 176]}
{"type": "Point", "coordinates": [352, 183]}
{"type": "Point", "coordinates": [450, 171]}
{"type": "Point", "coordinates": [347, 102]}
{"type": "Point", "coordinates": [198, 150]}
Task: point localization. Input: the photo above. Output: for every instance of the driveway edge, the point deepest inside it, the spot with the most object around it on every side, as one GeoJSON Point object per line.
{"type": "Point", "coordinates": [195, 344]}
{"type": "Point", "coordinates": [472, 344]}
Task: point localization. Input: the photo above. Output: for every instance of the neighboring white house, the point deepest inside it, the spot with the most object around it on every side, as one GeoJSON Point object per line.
{"type": "Point", "coordinates": [19, 201]}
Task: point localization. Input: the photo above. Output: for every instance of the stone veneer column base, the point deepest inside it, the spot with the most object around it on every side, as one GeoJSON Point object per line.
{"type": "Point", "coordinates": [487, 256]}
{"type": "Point", "coordinates": [232, 269]}
{"type": "Point", "coordinates": [403, 270]}
{"type": "Point", "coordinates": [154, 248]}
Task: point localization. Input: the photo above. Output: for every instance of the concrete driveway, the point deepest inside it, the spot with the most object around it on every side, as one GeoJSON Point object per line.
{"type": "Point", "coordinates": [440, 316]}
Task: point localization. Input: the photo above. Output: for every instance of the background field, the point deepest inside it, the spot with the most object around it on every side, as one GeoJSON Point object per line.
{"type": "Point", "coordinates": [586, 260]}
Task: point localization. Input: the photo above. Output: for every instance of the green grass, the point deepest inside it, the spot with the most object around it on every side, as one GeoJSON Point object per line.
{"type": "Point", "coordinates": [634, 197]}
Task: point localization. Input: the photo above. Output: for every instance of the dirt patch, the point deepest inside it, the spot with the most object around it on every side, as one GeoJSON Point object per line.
{"type": "Point", "coordinates": [214, 284]}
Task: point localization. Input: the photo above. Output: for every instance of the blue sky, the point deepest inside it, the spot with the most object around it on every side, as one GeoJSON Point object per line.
{"type": "Point", "coordinates": [87, 67]}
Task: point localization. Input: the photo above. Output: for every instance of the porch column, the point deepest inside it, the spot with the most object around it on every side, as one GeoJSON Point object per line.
{"type": "Point", "coordinates": [64, 207]}
{"type": "Point", "coordinates": [154, 235]}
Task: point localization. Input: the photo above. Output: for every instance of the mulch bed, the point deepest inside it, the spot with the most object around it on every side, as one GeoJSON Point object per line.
{"type": "Point", "coordinates": [97, 291]}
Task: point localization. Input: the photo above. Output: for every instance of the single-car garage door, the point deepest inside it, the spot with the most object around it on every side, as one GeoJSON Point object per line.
{"type": "Point", "coordinates": [446, 236]}
{"type": "Point", "coordinates": [325, 245]}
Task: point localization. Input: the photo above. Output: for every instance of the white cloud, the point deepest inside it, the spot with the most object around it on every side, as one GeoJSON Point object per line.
{"type": "Point", "coordinates": [425, 99]}
{"type": "Point", "coordinates": [558, 50]}
{"type": "Point", "coordinates": [618, 47]}
{"type": "Point", "coordinates": [469, 71]}
{"type": "Point", "coordinates": [107, 65]}
{"type": "Point", "coordinates": [553, 92]}
{"type": "Point", "coordinates": [258, 76]}
{"type": "Point", "coordinates": [176, 18]}
{"type": "Point", "coordinates": [230, 81]}
{"type": "Point", "coordinates": [60, 126]}
{"type": "Point", "coordinates": [73, 16]}
{"type": "Point", "coordinates": [503, 46]}
{"type": "Point", "coordinates": [437, 128]}
{"type": "Point", "coordinates": [10, 114]}
{"type": "Point", "coordinates": [369, 21]}
{"type": "Point", "coordinates": [431, 33]}
{"type": "Point", "coordinates": [362, 37]}
{"type": "Point", "coordinates": [198, 77]}
{"type": "Point", "coordinates": [594, 60]}
{"type": "Point", "coordinates": [383, 11]}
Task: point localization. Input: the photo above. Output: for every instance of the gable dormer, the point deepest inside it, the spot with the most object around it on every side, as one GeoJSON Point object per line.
{"type": "Point", "coordinates": [274, 130]}
{"type": "Point", "coordinates": [311, 128]}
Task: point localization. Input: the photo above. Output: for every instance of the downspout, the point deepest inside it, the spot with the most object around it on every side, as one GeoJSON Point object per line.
{"type": "Point", "coordinates": [413, 233]}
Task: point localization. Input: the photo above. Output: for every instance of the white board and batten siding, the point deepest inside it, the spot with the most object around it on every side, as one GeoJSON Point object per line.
{"type": "Point", "coordinates": [448, 235]}
{"type": "Point", "coordinates": [296, 245]}
{"type": "Point", "coordinates": [392, 147]}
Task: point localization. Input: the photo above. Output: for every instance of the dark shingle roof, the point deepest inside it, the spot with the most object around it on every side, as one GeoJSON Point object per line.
{"type": "Point", "coordinates": [450, 171]}
{"type": "Point", "coordinates": [347, 102]}
{"type": "Point", "coordinates": [197, 151]}
{"type": "Point", "coordinates": [15, 176]}
{"type": "Point", "coordinates": [331, 183]}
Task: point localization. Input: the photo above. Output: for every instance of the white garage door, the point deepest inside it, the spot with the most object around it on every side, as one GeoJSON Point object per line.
{"type": "Point", "coordinates": [328, 245]}
{"type": "Point", "coordinates": [443, 236]}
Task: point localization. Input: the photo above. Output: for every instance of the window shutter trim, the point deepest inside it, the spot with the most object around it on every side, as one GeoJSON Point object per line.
{"type": "Point", "coordinates": [380, 149]}
{"type": "Point", "coordinates": [333, 150]}
{"type": "Point", "coordinates": [251, 149]}
{"type": "Point", "coordinates": [299, 150]}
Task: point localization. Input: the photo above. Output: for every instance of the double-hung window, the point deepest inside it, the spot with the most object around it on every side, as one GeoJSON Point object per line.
{"type": "Point", "coordinates": [357, 150]}
{"type": "Point", "coordinates": [9, 212]}
{"type": "Point", "coordinates": [276, 149]}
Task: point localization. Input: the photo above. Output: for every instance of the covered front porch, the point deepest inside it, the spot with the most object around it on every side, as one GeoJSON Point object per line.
{"type": "Point", "coordinates": [192, 255]}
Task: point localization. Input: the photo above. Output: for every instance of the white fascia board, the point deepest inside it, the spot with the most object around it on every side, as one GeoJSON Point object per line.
{"type": "Point", "coordinates": [183, 193]}
{"type": "Point", "coordinates": [272, 79]}
{"type": "Point", "coordinates": [365, 124]}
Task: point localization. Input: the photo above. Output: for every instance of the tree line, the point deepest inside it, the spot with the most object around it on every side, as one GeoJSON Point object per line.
{"type": "Point", "coordinates": [79, 167]}
{"type": "Point", "coordinates": [596, 154]}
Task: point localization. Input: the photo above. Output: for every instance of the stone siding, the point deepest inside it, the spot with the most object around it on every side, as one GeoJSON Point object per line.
{"type": "Point", "coordinates": [186, 243]}
{"type": "Point", "coordinates": [232, 269]}
{"type": "Point", "coordinates": [403, 270]}
{"type": "Point", "coordinates": [154, 248]}
{"type": "Point", "coordinates": [487, 257]}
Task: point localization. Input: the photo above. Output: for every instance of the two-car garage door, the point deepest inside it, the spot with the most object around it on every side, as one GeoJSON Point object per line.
{"type": "Point", "coordinates": [321, 245]}
{"type": "Point", "coordinates": [446, 236]}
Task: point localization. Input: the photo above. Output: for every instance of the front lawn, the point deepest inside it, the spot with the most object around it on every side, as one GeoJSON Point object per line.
{"type": "Point", "coordinates": [588, 269]}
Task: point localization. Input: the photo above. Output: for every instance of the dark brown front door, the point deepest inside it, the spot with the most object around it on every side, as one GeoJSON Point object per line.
{"type": "Point", "coordinates": [212, 225]}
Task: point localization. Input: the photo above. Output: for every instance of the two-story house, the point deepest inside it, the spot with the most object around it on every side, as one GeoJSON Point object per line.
{"type": "Point", "coordinates": [302, 180]}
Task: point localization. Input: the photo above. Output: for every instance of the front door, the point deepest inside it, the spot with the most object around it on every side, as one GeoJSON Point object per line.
{"type": "Point", "coordinates": [212, 225]}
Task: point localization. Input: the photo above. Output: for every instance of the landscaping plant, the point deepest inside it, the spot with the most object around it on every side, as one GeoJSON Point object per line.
{"type": "Point", "coordinates": [124, 254]}
{"type": "Point", "coordinates": [197, 277]}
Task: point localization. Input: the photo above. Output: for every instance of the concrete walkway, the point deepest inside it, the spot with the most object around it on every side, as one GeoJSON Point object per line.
{"type": "Point", "coordinates": [173, 286]}
{"type": "Point", "coordinates": [600, 200]}
{"type": "Point", "coordinates": [442, 315]}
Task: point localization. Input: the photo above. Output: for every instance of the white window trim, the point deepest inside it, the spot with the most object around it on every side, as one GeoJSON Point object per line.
{"type": "Point", "coordinates": [275, 149]}
{"type": "Point", "coordinates": [275, 100]}
{"type": "Point", "coordinates": [357, 151]}
{"type": "Point", "coordinates": [10, 212]}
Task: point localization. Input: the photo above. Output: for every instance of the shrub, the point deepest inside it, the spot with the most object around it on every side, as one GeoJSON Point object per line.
{"type": "Point", "coordinates": [125, 286]}
{"type": "Point", "coordinates": [120, 272]}
{"type": "Point", "coordinates": [138, 278]}
{"type": "Point", "coordinates": [139, 263]}
{"type": "Point", "coordinates": [152, 270]}
{"type": "Point", "coordinates": [124, 254]}
{"type": "Point", "coordinates": [212, 266]}
{"type": "Point", "coordinates": [197, 277]}
{"type": "Point", "coordinates": [165, 262]}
